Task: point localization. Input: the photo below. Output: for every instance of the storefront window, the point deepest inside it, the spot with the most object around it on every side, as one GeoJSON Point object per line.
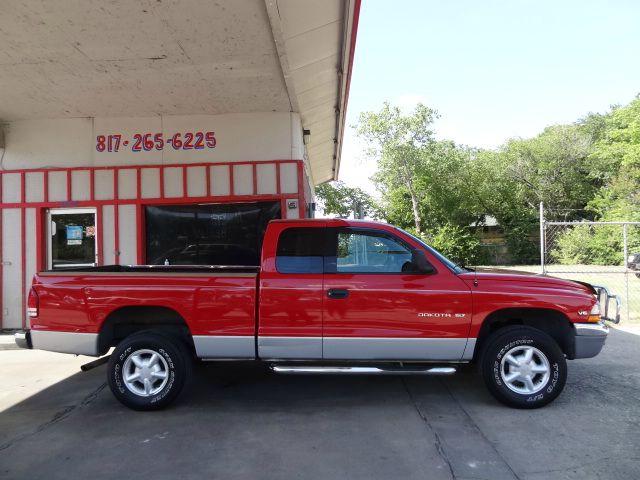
{"type": "Point", "coordinates": [212, 234]}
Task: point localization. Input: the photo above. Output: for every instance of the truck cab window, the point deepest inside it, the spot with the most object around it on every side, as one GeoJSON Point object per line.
{"type": "Point", "coordinates": [371, 252]}
{"type": "Point", "coordinates": [300, 250]}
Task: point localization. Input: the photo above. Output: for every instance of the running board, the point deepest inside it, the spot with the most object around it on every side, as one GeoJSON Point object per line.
{"type": "Point", "coordinates": [304, 370]}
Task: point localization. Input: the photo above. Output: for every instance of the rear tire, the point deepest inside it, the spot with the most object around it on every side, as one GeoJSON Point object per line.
{"type": "Point", "coordinates": [148, 370]}
{"type": "Point", "coordinates": [523, 367]}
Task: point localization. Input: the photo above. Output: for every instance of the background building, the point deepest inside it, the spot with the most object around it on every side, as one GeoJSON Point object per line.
{"type": "Point", "coordinates": [154, 132]}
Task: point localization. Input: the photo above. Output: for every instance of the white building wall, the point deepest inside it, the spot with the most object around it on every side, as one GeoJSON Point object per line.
{"type": "Point", "coordinates": [127, 234]}
{"type": "Point", "coordinates": [107, 237]}
{"type": "Point", "coordinates": [71, 143]}
{"type": "Point", "coordinates": [11, 269]}
{"type": "Point", "coordinates": [30, 241]}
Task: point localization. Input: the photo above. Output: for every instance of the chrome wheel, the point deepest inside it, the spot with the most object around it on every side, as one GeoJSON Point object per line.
{"type": "Point", "coordinates": [145, 373]}
{"type": "Point", "coordinates": [525, 370]}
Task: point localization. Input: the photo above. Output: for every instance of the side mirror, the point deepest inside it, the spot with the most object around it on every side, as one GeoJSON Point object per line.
{"type": "Point", "coordinates": [421, 264]}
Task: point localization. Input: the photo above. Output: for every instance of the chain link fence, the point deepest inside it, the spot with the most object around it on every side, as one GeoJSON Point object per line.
{"type": "Point", "coordinates": [600, 253]}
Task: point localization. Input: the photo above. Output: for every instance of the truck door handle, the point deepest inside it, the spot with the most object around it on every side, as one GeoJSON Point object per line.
{"type": "Point", "coordinates": [337, 293]}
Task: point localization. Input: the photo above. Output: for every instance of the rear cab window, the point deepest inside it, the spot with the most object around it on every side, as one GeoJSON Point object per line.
{"type": "Point", "coordinates": [300, 250]}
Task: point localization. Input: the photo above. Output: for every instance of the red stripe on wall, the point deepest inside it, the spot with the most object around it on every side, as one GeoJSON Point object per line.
{"type": "Point", "coordinates": [1, 258]}
{"type": "Point", "coordinates": [45, 187]}
{"type": "Point", "coordinates": [40, 249]}
{"type": "Point", "coordinates": [140, 237]}
{"type": "Point", "coordinates": [185, 186]}
{"type": "Point", "coordinates": [161, 182]}
{"type": "Point", "coordinates": [116, 219]}
{"type": "Point", "coordinates": [254, 173]}
{"type": "Point", "coordinates": [23, 253]}
{"type": "Point", "coordinates": [100, 235]}
{"type": "Point", "coordinates": [92, 185]}
{"type": "Point", "coordinates": [68, 185]}
{"type": "Point", "coordinates": [138, 183]}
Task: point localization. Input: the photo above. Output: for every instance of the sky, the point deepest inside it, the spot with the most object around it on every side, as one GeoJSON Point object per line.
{"type": "Point", "coordinates": [493, 69]}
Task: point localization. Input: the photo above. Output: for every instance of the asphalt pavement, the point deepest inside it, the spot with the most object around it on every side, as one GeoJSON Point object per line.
{"type": "Point", "coordinates": [244, 422]}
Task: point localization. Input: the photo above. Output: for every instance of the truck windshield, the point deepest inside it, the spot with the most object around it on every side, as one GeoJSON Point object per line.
{"type": "Point", "coordinates": [450, 264]}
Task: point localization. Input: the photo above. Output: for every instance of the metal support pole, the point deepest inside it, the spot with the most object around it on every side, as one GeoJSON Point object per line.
{"type": "Point", "coordinates": [625, 246]}
{"type": "Point", "coordinates": [626, 269]}
{"type": "Point", "coordinates": [542, 239]}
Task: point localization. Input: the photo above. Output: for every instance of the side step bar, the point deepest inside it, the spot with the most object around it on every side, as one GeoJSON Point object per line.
{"type": "Point", "coordinates": [305, 370]}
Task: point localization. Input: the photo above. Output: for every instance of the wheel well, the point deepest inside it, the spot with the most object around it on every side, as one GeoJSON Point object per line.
{"type": "Point", "coordinates": [124, 321]}
{"type": "Point", "coordinates": [552, 322]}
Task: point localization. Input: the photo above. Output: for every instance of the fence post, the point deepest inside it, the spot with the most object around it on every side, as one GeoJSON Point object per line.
{"type": "Point", "coordinates": [626, 269]}
{"type": "Point", "coordinates": [542, 239]}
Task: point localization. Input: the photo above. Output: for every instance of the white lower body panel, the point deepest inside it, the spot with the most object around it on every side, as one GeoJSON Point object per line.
{"type": "Point", "coordinates": [231, 347]}
{"type": "Point", "coordinates": [65, 342]}
{"type": "Point", "coordinates": [292, 348]}
{"type": "Point", "coordinates": [416, 349]}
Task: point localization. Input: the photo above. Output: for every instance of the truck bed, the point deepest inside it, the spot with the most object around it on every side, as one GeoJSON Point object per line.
{"type": "Point", "coordinates": [211, 301]}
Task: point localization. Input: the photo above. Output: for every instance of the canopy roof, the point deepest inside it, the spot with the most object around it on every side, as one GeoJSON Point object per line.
{"type": "Point", "coordinates": [182, 57]}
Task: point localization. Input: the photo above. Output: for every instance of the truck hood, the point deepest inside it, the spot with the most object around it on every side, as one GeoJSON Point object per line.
{"type": "Point", "coordinates": [515, 276]}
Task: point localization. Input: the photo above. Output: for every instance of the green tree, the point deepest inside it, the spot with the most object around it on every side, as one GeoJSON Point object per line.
{"type": "Point", "coordinates": [397, 142]}
{"type": "Point", "coordinates": [458, 244]}
{"type": "Point", "coordinates": [614, 162]}
{"type": "Point", "coordinates": [336, 198]}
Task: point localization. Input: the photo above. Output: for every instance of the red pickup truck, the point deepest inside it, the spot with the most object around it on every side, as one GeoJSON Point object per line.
{"type": "Point", "coordinates": [330, 296]}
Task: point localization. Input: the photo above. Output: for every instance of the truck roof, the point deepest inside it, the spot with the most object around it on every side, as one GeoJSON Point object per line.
{"type": "Point", "coordinates": [334, 222]}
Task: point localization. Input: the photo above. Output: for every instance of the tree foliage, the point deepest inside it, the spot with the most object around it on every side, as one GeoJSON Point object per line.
{"type": "Point", "coordinates": [338, 199]}
{"type": "Point", "coordinates": [614, 162]}
{"type": "Point", "coordinates": [586, 170]}
{"type": "Point", "coordinates": [398, 142]}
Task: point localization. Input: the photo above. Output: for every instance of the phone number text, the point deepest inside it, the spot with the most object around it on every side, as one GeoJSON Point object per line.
{"type": "Point", "coordinates": [145, 142]}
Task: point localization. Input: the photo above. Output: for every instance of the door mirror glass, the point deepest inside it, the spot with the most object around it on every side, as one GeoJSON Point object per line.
{"type": "Point", "coordinates": [418, 264]}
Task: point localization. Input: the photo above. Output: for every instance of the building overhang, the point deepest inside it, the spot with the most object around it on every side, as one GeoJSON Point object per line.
{"type": "Point", "coordinates": [185, 57]}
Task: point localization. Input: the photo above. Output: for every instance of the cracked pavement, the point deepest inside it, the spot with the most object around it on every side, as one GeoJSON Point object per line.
{"type": "Point", "coordinates": [241, 421]}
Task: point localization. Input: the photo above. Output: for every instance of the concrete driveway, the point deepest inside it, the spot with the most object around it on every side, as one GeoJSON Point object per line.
{"type": "Point", "coordinates": [242, 422]}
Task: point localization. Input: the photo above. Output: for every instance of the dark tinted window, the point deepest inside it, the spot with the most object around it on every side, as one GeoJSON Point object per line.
{"type": "Point", "coordinates": [300, 250]}
{"type": "Point", "coordinates": [214, 234]}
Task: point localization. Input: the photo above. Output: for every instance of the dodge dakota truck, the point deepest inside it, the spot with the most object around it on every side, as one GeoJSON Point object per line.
{"type": "Point", "coordinates": [330, 296]}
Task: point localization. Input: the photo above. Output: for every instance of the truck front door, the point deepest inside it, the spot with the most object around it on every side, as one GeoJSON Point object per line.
{"type": "Point", "coordinates": [377, 307]}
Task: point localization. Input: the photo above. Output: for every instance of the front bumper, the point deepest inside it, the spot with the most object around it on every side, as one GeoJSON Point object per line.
{"type": "Point", "coordinates": [23, 339]}
{"type": "Point", "coordinates": [589, 339]}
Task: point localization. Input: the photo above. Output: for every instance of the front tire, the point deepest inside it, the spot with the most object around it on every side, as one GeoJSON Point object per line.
{"type": "Point", "coordinates": [523, 367]}
{"type": "Point", "coordinates": [147, 371]}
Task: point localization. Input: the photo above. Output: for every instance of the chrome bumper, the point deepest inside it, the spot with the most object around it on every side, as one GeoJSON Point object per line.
{"type": "Point", "coordinates": [589, 339]}
{"type": "Point", "coordinates": [604, 299]}
{"type": "Point", "coordinates": [23, 339]}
